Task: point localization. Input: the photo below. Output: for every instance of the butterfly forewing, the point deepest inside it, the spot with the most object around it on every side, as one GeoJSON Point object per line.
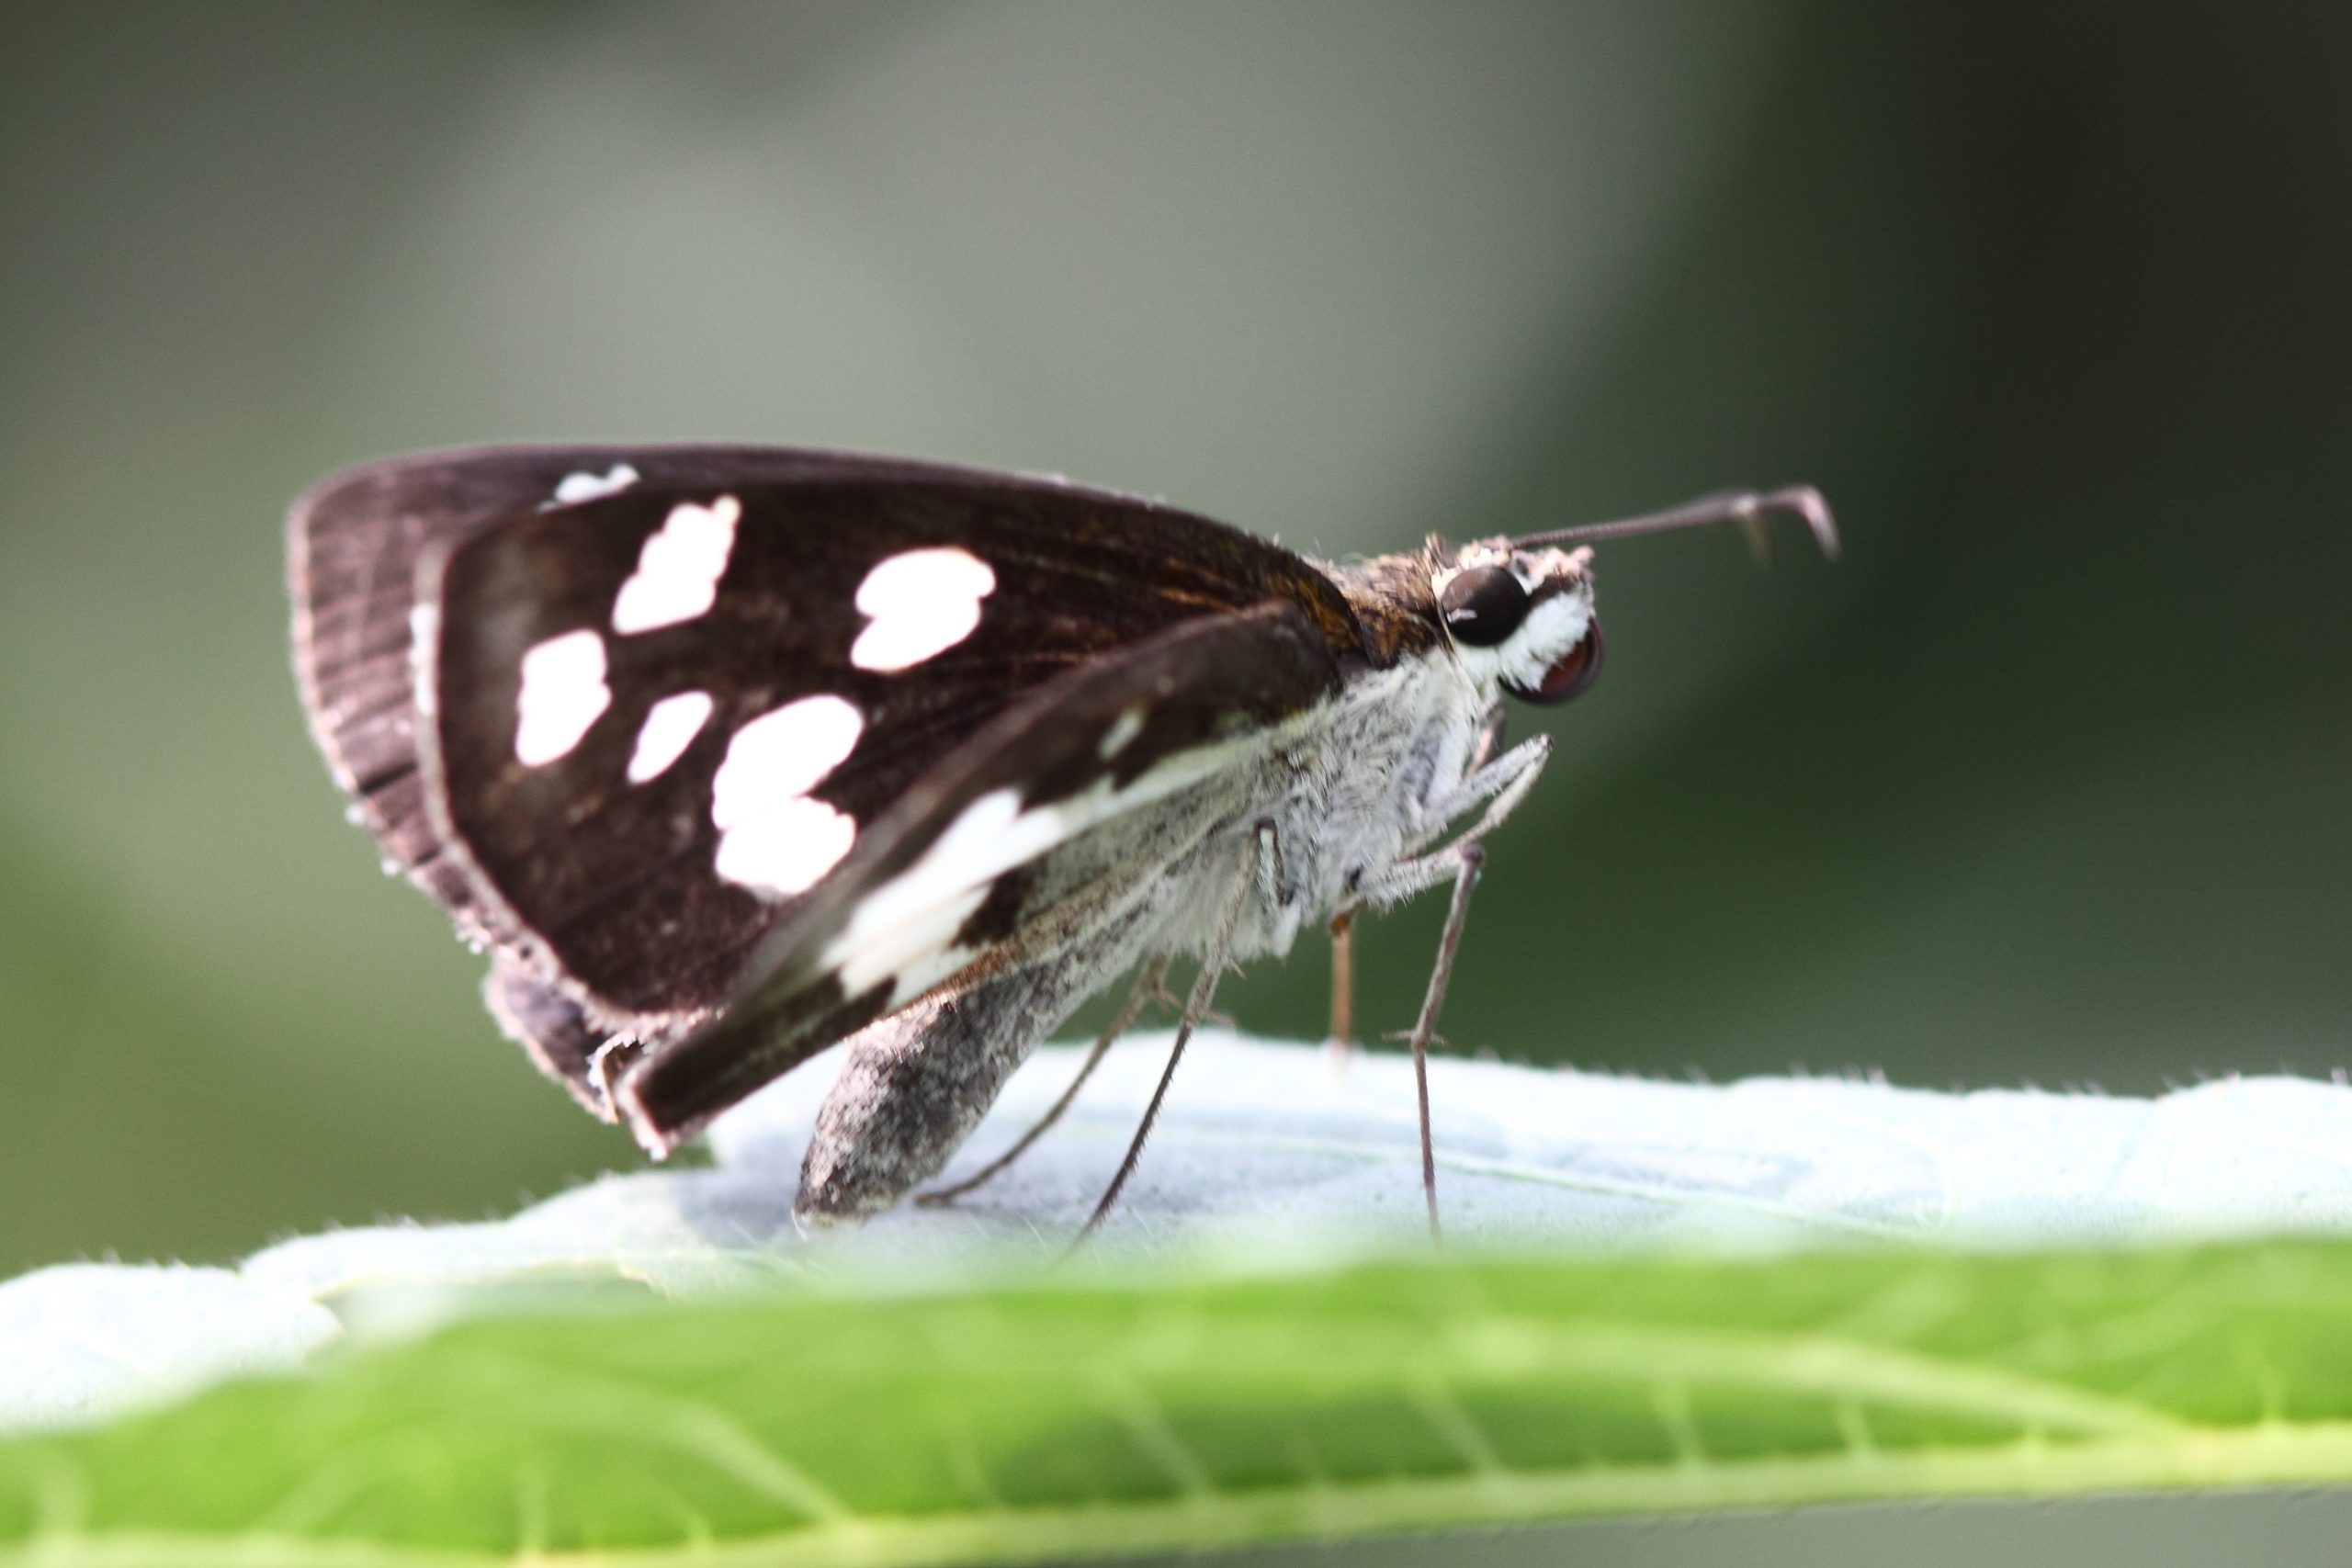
{"type": "Point", "coordinates": [569, 687]}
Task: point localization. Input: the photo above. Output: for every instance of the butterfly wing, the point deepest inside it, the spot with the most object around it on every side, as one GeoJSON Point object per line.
{"type": "Point", "coordinates": [619, 709]}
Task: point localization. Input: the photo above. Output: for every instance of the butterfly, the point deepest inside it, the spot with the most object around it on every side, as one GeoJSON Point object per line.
{"type": "Point", "coordinates": [727, 754]}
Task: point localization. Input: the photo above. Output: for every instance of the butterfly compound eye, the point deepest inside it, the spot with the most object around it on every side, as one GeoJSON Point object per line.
{"type": "Point", "coordinates": [1571, 677]}
{"type": "Point", "coordinates": [1482, 606]}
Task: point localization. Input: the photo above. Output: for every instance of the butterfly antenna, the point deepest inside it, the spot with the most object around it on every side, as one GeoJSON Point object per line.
{"type": "Point", "coordinates": [1748, 508]}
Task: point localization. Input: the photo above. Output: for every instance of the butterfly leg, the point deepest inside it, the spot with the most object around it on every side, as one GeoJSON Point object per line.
{"type": "Point", "coordinates": [1264, 868]}
{"type": "Point", "coordinates": [1490, 743]}
{"type": "Point", "coordinates": [1500, 785]}
{"type": "Point", "coordinates": [1460, 862]}
{"type": "Point", "coordinates": [1342, 1038]}
{"type": "Point", "coordinates": [1503, 783]}
{"type": "Point", "coordinates": [1469, 858]}
{"type": "Point", "coordinates": [1147, 989]}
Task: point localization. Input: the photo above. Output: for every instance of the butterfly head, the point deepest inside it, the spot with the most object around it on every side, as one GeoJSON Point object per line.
{"type": "Point", "coordinates": [1518, 613]}
{"type": "Point", "coordinates": [1521, 619]}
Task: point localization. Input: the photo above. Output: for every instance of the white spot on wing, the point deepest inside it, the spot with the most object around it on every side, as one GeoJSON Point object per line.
{"type": "Point", "coordinates": [1121, 733]}
{"type": "Point", "coordinates": [563, 693]}
{"type": "Point", "coordinates": [669, 729]}
{"type": "Point", "coordinates": [782, 753]}
{"type": "Point", "coordinates": [904, 931]}
{"type": "Point", "coordinates": [773, 837]}
{"type": "Point", "coordinates": [678, 570]}
{"type": "Point", "coordinates": [573, 488]}
{"type": "Point", "coordinates": [914, 918]}
{"type": "Point", "coordinates": [423, 637]}
{"type": "Point", "coordinates": [788, 848]}
{"type": "Point", "coordinates": [920, 604]}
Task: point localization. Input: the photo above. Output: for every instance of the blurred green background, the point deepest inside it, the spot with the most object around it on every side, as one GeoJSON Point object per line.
{"type": "Point", "coordinates": [2046, 783]}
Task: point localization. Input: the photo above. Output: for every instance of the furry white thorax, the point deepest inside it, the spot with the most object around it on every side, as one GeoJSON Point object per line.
{"type": "Point", "coordinates": [1348, 799]}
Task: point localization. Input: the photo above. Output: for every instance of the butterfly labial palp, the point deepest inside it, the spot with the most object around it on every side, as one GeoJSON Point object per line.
{"type": "Point", "coordinates": [727, 754]}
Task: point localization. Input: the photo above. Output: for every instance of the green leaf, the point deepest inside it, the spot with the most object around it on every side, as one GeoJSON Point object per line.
{"type": "Point", "coordinates": [1778, 1290]}
{"type": "Point", "coordinates": [1038, 1420]}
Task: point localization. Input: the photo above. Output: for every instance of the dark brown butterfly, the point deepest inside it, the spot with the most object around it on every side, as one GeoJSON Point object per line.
{"type": "Point", "coordinates": [730, 753]}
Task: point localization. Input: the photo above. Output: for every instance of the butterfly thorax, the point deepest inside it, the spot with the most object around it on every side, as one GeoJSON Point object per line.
{"type": "Point", "coordinates": [1393, 601]}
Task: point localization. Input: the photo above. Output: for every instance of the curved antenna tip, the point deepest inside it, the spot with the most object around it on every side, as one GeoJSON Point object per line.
{"type": "Point", "coordinates": [1803, 500]}
{"type": "Point", "coordinates": [1746, 507]}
